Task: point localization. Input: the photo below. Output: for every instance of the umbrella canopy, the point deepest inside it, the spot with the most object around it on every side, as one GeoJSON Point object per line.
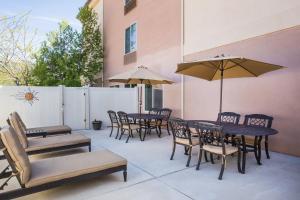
{"type": "Point", "coordinates": [140, 75]}
{"type": "Point", "coordinates": [222, 67]}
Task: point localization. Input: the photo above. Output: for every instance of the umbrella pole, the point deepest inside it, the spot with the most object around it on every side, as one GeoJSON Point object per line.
{"type": "Point", "coordinates": [221, 87]}
{"type": "Point", "coordinates": [140, 101]}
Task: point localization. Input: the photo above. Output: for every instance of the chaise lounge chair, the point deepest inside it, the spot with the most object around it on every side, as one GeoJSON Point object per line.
{"type": "Point", "coordinates": [40, 131]}
{"type": "Point", "coordinates": [47, 144]}
{"type": "Point", "coordinates": [44, 174]}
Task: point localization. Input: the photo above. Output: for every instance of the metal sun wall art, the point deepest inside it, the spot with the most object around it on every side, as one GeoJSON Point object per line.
{"type": "Point", "coordinates": [28, 95]}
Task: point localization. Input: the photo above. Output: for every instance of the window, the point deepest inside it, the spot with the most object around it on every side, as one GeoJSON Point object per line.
{"type": "Point", "coordinates": [153, 97]}
{"type": "Point", "coordinates": [130, 85]}
{"type": "Point", "coordinates": [130, 39]}
{"type": "Point", "coordinates": [127, 1]}
{"type": "Point", "coordinates": [129, 5]}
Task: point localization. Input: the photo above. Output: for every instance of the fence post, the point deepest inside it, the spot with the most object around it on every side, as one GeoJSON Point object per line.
{"type": "Point", "coordinates": [61, 105]}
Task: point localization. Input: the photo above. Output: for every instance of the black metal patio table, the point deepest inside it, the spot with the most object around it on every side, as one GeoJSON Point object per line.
{"type": "Point", "coordinates": [146, 118]}
{"type": "Point", "coordinates": [242, 130]}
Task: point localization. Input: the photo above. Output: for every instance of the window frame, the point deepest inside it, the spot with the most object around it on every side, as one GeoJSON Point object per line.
{"type": "Point", "coordinates": [136, 38]}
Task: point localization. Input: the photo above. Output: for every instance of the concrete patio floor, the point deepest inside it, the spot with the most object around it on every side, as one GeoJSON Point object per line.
{"type": "Point", "coordinates": [152, 175]}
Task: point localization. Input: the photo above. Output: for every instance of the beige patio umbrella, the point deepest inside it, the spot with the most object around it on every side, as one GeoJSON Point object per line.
{"type": "Point", "coordinates": [140, 75]}
{"type": "Point", "coordinates": [222, 67]}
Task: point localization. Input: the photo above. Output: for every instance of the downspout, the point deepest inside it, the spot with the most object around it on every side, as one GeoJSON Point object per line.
{"type": "Point", "coordinates": [182, 57]}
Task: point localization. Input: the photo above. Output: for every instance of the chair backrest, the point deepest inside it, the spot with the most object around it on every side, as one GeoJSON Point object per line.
{"type": "Point", "coordinates": [20, 120]}
{"type": "Point", "coordinates": [19, 130]}
{"type": "Point", "coordinates": [154, 111]}
{"type": "Point", "coordinates": [15, 155]}
{"type": "Point", "coordinates": [211, 134]}
{"type": "Point", "coordinates": [258, 120]}
{"type": "Point", "coordinates": [229, 118]}
{"type": "Point", "coordinates": [123, 118]}
{"type": "Point", "coordinates": [166, 112]}
{"type": "Point", "coordinates": [180, 129]}
{"type": "Point", "coordinates": [113, 117]}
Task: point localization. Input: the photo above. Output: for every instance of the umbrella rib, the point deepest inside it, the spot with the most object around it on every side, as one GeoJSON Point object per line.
{"type": "Point", "coordinates": [245, 69]}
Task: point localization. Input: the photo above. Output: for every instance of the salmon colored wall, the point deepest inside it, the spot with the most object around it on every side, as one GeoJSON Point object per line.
{"type": "Point", "coordinates": [212, 23]}
{"type": "Point", "coordinates": [158, 40]}
{"type": "Point", "coordinates": [276, 93]}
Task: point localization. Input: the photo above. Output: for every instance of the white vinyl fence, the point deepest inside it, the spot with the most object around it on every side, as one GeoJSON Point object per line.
{"type": "Point", "coordinates": [73, 106]}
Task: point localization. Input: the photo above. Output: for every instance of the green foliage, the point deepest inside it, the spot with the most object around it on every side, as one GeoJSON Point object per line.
{"type": "Point", "coordinates": [60, 60]}
{"type": "Point", "coordinates": [68, 57]}
{"type": "Point", "coordinates": [92, 49]}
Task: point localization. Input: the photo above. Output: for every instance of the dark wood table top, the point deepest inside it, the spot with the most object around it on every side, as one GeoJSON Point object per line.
{"type": "Point", "coordinates": [239, 129]}
{"type": "Point", "coordinates": [144, 116]}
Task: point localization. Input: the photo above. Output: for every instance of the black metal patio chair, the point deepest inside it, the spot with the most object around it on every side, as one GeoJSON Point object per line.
{"type": "Point", "coordinates": [114, 122]}
{"type": "Point", "coordinates": [166, 113]}
{"type": "Point", "coordinates": [229, 118]}
{"type": "Point", "coordinates": [212, 140]}
{"type": "Point", "coordinates": [182, 136]}
{"type": "Point", "coordinates": [127, 125]}
{"type": "Point", "coordinates": [260, 120]}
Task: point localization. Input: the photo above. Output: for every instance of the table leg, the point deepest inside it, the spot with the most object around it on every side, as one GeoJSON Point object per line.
{"type": "Point", "coordinates": [255, 145]}
{"type": "Point", "coordinates": [244, 155]}
{"type": "Point", "coordinates": [259, 150]}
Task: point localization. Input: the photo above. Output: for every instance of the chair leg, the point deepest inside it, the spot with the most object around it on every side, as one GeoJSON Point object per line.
{"type": "Point", "coordinates": [199, 158]}
{"type": "Point", "coordinates": [222, 168]}
{"type": "Point", "coordinates": [190, 156]}
{"type": "Point", "coordinates": [239, 161]}
{"type": "Point", "coordinates": [90, 148]}
{"type": "Point", "coordinates": [112, 129]}
{"type": "Point", "coordinates": [129, 134]}
{"type": "Point", "coordinates": [140, 134]}
{"type": "Point", "coordinates": [211, 158]}
{"type": "Point", "coordinates": [117, 133]}
{"type": "Point", "coordinates": [205, 156]}
{"type": "Point", "coordinates": [173, 151]}
{"type": "Point", "coordinates": [122, 132]}
{"type": "Point", "coordinates": [267, 147]}
{"type": "Point", "coordinates": [168, 129]}
{"type": "Point", "coordinates": [159, 129]}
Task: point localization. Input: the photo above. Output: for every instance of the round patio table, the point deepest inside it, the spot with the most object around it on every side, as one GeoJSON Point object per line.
{"type": "Point", "coordinates": [146, 118]}
{"type": "Point", "coordinates": [242, 130]}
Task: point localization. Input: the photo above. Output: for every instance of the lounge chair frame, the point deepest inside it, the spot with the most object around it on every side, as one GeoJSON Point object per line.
{"type": "Point", "coordinates": [23, 191]}
{"type": "Point", "coordinates": [39, 133]}
{"type": "Point", "coordinates": [52, 149]}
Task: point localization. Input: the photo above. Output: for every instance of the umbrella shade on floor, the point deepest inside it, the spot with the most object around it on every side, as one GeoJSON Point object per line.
{"type": "Point", "coordinates": [140, 75]}
{"type": "Point", "coordinates": [222, 67]}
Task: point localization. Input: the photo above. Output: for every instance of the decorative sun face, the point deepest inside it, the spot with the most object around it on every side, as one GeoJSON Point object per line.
{"type": "Point", "coordinates": [28, 95]}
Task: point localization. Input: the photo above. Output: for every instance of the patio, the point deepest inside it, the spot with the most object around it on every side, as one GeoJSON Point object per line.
{"type": "Point", "coordinates": [152, 175]}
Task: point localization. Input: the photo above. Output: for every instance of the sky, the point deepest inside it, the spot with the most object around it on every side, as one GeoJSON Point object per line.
{"type": "Point", "coordinates": [44, 15]}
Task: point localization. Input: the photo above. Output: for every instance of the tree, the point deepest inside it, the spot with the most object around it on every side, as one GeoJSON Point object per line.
{"type": "Point", "coordinates": [60, 59]}
{"type": "Point", "coordinates": [92, 49]}
{"type": "Point", "coordinates": [16, 49]}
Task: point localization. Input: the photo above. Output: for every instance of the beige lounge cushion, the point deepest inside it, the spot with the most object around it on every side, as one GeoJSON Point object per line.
{"type": "Point", "coordinates": [56, 141]}
{"type": "Point", "coordinates": [19, 130]}
{"type": "Point", "coordinates": [52, 129]}
{"type": "Point", "coordinates": [20, 120]}
{"type": "Point", "coordinates": [58, 168]}
{"type": "Point", "coordinates": [17, 153]}
{"type": "Point", "coordinates": [132, 126]}
{"type": "Point", "coordinates": [218, 150]}
{"type": "Point", "coordinates": [195, 141]}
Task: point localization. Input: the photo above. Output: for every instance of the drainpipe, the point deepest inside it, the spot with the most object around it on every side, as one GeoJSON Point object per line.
{"type": "Point", "coordinates": [181, 57]}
